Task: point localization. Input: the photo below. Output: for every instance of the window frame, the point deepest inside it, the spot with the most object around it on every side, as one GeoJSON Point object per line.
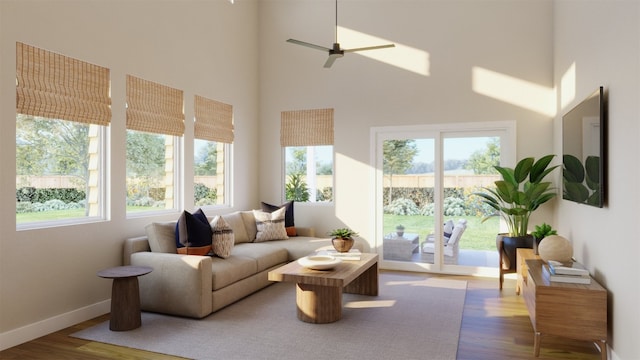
{"type": "Point", "coordinates": [104, 135]}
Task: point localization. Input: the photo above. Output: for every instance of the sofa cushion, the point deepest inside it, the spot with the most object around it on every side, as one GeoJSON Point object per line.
{"type": "Point", "coordinates": [265, 255]}
{"type": "Point", "coordinates": [289, 222]}
{"type": "Point", "coordinates": [193, 233]}
{"type": "Point", "coordinates": [270, 225]}
{"type": "Point", "coordinates": [236, 222]}
{"type": "Point", "coordinates": [227, 271]}
{"type": "Point", "coordinates": [162, 237]}
{"type": "Point", "coordinates": [223, 239]}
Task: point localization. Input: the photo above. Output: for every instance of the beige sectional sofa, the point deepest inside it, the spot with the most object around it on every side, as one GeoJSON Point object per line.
{"type": "Point", "coordinates": [195, 286]}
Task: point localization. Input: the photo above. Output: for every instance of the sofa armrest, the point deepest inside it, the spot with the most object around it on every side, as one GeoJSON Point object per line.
{"type": "Point", "coordinates": [178, 285]}
{"type": "Point", "coordinates": [306, 231]}
{"type": "Point", "coordinates": [134, 245]}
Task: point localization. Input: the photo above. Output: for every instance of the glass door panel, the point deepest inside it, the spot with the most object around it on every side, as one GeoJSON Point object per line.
{"type": "Point", "coordinates": [407, 198]}
{"type": "Point", "coordinates": [468, 165]}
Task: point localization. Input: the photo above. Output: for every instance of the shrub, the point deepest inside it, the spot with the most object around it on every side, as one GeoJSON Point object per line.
{"type": "Point", "coordinates": [204, 195]}
{"type": "Point", "coordinates": [43, 195]}
{"type": "Point", "coordinates": [55, 205]}
{"type": "Point", "coordinates": [296, 188]}
{"type": "Point", "coordinates": [402, 207]}
{"type": "Point", "coordinates": [24, 207]}
{"type": "Point", "coordinates": [325, 194]}
{"type": "Point", "coordinates": [453, 206]}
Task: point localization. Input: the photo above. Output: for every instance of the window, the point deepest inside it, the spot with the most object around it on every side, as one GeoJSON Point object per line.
{"type": "Point", "coordinates": [307, 139]}
{"type": "Point", "coordinates": [309, 173]}
{"type": "Point", "coordinates": [213, 135]}
{"type": "Point", "coordinates": [155, 123]}
{"type": "Point", "coordinates": [62, 115]}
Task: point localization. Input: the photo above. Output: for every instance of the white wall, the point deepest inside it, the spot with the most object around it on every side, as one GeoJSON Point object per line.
{"type": "Point", "coordinates": [212, 49]}
{"type": "Point", "coordinates": [601, 40]}
{"type": "Point", "coordinates": [48, 277]}
{"type": "Point", "coordinates": [465, 43]}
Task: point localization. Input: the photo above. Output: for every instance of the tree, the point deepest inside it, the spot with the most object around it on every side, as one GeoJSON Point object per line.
{"type": "Point", "coordinates": [51, 147]}
{"type": "Point", "coordinates": [145, 162]}
{"type": "Point", "coordinates": [206, 160]}
{"type": "Point", "coordinates": [145, 154]}
{"type": "Point", "coordinates": [484, 162]}
{"type": "Point", "coordinates": [298, 165]}
{"type": "Point", "coordinates": [397, 158]}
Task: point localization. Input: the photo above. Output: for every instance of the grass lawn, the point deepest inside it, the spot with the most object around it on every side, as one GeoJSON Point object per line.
{"type": "Point", "coordinates": [478, 235]}
{"type": "Point", "coordinates": [53, 215]}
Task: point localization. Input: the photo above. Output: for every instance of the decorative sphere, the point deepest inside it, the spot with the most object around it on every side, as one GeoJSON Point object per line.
{"type": "Point", "coordinates": [555, 247]}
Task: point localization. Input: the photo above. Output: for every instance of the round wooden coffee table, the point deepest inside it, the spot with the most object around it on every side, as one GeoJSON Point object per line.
{"type": "Point", "coordinates": [125, 296]}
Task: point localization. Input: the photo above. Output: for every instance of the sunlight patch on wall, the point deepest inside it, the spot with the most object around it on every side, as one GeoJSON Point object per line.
{"type": "Point", "coordinates": [401, 56]}
{"type": "Point", "coordinates": [568, 86]}
{"type": "Point", "coordinates": [514, 91]}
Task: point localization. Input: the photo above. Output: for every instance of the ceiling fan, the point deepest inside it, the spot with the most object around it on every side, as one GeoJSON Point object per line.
{"type": "Point", "coordinates": [336, 51]}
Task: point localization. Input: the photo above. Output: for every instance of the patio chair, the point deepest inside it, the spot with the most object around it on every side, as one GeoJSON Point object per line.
{"type": "Point", "coordinates": [451, 245]}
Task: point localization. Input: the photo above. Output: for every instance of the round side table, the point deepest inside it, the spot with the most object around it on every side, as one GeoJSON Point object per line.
{"type": "Point", "coordinates": [125, 296]}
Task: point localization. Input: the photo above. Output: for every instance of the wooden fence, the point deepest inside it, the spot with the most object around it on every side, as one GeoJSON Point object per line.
{"type": "Point", "coordinates": [324, 181]}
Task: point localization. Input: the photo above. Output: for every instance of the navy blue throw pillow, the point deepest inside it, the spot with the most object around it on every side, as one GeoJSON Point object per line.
{"type": "Point", "coordinates": [193, 233]}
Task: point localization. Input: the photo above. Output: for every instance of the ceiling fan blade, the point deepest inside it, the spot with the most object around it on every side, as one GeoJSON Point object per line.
{"type": "Point", "coordinates": [332, 58]}
{"type": "Point", "coordinates": [313, 46]}
{"type": "Point", "coordinates": [370, 48]}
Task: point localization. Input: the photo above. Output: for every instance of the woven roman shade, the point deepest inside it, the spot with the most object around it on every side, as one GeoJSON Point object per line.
{"type": "Point", "coordinates": [155, 108]}
{"type": "Point", "coordinates": [306, 127]}
{"type": "Point", "coordinates": [214, 120]}
{"type": "Point", "coordinates": [59, 87]}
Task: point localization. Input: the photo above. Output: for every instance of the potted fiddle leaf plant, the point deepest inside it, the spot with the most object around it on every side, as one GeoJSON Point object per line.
{"type": "Point", "coordinates": [342, 239]}
{"type": "Point", "coordinates": [515, 197]}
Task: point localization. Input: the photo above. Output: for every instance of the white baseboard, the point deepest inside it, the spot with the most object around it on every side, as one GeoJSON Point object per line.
{"type": "Point", "coordinates": [33, 331]}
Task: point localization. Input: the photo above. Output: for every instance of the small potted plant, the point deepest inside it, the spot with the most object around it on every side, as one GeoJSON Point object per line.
{"type": "Point", "coordinates": [540, 233]}
{"type": "Point", "coordinates": [400, 230]}
{"type": "Point", "coordinates": [342, 239]}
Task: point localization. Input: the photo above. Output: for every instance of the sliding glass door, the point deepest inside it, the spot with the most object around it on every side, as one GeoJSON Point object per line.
{"type": "Point", "coordinates": [427, 215]}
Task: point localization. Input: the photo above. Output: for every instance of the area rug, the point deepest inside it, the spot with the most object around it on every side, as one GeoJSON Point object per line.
{"type": "Point", "coordinates": [414, 317]}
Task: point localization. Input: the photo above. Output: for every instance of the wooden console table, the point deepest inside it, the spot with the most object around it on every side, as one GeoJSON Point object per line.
{"type": "Point", "coordinates": [574, 311]}
{"type": "Point", "coordinates": [523, 254]}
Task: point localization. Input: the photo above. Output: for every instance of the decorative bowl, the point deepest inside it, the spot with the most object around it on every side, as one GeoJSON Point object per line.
{"type": "Point", "coordinates": [319, 262]}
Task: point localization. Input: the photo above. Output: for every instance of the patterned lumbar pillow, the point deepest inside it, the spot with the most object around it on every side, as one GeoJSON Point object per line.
{"type": "Point", "coordinates": [223, 238]}
{"type": "Point", "coordinates": [193, 233]}
{"type": "Point", "coordinates": [270, 225]}
{"type": "Point", "coordinates": [289, 223]}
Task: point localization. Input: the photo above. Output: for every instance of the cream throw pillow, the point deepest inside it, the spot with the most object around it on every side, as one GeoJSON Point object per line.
{"type": "Point", "coordinates": [222, 237]}
{"type": "Point", "coordinates": [270, 225]}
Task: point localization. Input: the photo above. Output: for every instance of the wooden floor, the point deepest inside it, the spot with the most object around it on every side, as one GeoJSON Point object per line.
{"type": "Point", "coordinates": [495, 325]}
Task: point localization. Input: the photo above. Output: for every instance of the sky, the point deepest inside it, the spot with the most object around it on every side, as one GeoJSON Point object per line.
{"type": "Point", "coordinates": [454, 148]}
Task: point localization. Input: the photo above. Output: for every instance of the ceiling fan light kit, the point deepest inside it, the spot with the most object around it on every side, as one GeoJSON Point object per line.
{"type": "Point", "coordinates": [336, 51]}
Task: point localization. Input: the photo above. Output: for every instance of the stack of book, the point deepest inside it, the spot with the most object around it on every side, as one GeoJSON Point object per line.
{"type": "Point", "coordinates": [353, 254]}
{"type": "Point", "coordinates": [573, 273]}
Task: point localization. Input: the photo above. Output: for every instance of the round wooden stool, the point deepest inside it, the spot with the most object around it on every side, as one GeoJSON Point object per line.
{"type": "Point", "coordinates": [125, 296]}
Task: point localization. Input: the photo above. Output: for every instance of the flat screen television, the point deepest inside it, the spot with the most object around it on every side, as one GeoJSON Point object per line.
{"type": "Point", "coordinates": [583, 151]}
